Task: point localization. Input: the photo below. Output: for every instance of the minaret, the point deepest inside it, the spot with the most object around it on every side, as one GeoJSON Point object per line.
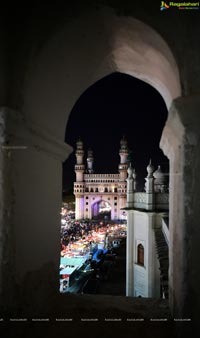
{"type": "Point", "coordinates": [160, 182]}
{"type": "Point", "coordinates": [90, 160]}
{"type": "Point", "coordinates": [130, 187]}
{"type": "Point", "coordinates": [79, 167]}
{"type": "Point", "coordinates": [123, 153]}
{"type": "Point", "coordinates": [79, 184]}
{"type": "Point", "coordinates": [134, 180]}
{"type": "Point", "coordinates": [149, 187]}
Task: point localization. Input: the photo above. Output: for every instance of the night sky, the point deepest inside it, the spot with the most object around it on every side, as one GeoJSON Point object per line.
{"type": "Point", "coordinates": [114, 106]}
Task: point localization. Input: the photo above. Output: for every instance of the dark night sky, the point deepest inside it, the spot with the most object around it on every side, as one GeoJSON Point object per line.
{"type": "Point", "coordinates": [117, 105]}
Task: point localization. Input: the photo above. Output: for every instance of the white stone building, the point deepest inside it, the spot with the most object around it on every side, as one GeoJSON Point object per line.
{"type": "Point", "coordinates": [147, 236]}
{"type": "Point", "coordinates": [100, 196]}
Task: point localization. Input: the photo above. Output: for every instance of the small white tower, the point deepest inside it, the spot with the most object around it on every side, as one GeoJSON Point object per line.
{"type": "Point", "coordinates": [149, 186]}
{"type": "Point", "coordinates": [134, 180]}
{"type": "Point", "coordinates": [160, 184]}
{"type": "Point", "coordinates": [90, 160]}
{"type": "Point", "coordinates": [130, 187]}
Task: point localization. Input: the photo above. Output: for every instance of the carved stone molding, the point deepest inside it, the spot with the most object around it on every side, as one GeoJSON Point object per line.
{"type": "Point", "coordinates": [19, 133]}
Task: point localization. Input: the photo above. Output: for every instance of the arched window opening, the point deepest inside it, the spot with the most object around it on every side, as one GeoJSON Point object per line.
{"type": "Point", "coordinates": [140, 254]}
{"type": "Point", "coordinates": [99, 208]}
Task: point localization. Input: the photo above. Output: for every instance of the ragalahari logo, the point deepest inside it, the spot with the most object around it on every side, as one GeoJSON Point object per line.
{"type": "Point", "coordinates": [179, 5]}
{"type": "Point", "coordinates": [164, 6]}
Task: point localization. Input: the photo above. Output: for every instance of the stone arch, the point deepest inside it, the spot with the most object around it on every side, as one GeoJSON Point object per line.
{"type": "Point", "coordinates": [97, 209]}
{"type": "Point", "coordinates": [65, 67]}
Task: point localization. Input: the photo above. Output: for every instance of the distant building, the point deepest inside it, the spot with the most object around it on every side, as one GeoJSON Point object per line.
{"type": "Point", "coordinates": [147, 235]}
{"type": "Point", "coordinates": [100, 196]}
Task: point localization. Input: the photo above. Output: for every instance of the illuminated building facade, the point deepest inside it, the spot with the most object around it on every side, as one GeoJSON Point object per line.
{"type": "Point", "coordinates": [100, 196]}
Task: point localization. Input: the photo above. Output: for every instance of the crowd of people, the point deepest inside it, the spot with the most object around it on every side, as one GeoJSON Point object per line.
{"type": "Point", "coordinates": [76, 230]}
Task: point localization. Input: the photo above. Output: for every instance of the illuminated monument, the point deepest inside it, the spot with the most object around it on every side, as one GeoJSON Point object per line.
{"type": "Point", "coordinates": [100, 196]}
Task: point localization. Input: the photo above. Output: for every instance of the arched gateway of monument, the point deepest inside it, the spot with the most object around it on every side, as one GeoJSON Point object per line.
{"type": "Point", "coordinates": [101, 210]}
{"type": "Point", "coordinates": [38, 96]}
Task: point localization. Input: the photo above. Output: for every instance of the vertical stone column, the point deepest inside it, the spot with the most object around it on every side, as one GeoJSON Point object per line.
{"type": "Point", "coordinates": [7, 229]}
{"type": "Point", "coordinates": [79, 207]}
{"type": "Point", "coordinates": [130, 255]}
{"type": "Point", "coordinates": [150, 258]}
{"type": "Point", "coordinates": [121, 204]}
{"type": "Point", "coordinates": [31, 198]}
{"type": "Point", "coordinates": [130, 235]}
{"type": "Point", "coordinates": [181, 143]}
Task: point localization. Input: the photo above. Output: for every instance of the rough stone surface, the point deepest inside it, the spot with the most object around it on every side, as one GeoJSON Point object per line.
{"type": "Point", "coordinates": [180, 142]}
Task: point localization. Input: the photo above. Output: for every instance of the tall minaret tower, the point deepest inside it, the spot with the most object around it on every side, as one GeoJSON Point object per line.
{"type": "Point", "coordinates": [123, 153]}
{"type": "Point", "coordinates": [79, 167]}
{"type": "Point", "coordinates": [123, 166]}
{"type": "Point", "coordinates": [90, 160]}
{"type": "Point", "coordinates": [79, 184]}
